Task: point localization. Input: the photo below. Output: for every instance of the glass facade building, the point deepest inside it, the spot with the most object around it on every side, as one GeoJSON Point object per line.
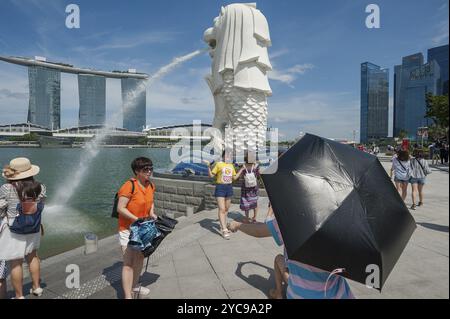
{"type": "Point", "coordinates": [45, 97]}
{"type": "Point", "coordinates": [440, 55]}
{"type": "Point", "coordinates": [374, 122]}
{"type": "Point", "coordinates": [413, 80]}
{"type": "Point", "coordinates": [134, 96]}
{"type": "Point", "coordinates": [92, 92]}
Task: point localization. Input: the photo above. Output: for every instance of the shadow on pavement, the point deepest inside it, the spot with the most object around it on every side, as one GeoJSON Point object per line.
{"type": "Point", "coordinates": [113, 275]}
{"type": "Point", "coordinates": [257, 281]}
{"type": "Point", "coordinates": [213, 224]}
{"type": "Point", "coordinates": [436, 227]}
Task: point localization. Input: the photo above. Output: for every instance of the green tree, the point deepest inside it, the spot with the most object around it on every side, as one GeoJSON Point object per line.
{"type": "Point", "coordinates": [402, 134]}
{"type": "Point", "coordinates": [33, 137]}
{"type": "Point", "coordinates": [437, 109]}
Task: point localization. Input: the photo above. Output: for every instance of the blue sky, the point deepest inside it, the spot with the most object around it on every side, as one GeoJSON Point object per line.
{"type": "Point", "coordinates": [317, 50]}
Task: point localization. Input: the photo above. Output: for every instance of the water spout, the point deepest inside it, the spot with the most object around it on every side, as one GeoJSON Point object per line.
{"type": "Point", "coordinates": [92, 147]}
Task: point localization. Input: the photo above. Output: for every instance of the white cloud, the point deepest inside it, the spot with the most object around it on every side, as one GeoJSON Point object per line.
{"type": "Point", "coordinates": [129, 42]}
{"type": "Point", "coordinates": [300, 68]}
{"type": "Point", "coordinates": [442, 34]}
{"type": "Point", "coordinates": [288, 76]}
{"type": "Point", "coordinates": [276, 54]}
{"type": "Point", "coordinates": [330, 114]}
{"type": "Point", "coordinates": [13, 94]}
{"type": "Point", "coordinates": [442, 27]}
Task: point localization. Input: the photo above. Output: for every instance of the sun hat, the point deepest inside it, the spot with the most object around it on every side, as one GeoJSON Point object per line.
{"type": "Point", "coordinates": [19, 168]}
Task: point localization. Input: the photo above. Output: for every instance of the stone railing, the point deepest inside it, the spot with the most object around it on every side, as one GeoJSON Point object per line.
{"type": "Point", "coordinates": [181, 196]}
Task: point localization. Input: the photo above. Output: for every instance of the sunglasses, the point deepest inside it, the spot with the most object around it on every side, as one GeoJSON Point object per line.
{"type": "Point", "coordinates": [147, 169]}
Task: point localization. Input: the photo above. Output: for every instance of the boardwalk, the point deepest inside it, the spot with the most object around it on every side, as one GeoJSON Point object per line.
{"type": "Point", "coordinates": [195, 262]}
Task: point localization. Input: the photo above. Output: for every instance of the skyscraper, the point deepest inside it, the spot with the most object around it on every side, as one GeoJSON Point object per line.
{"type": "Point", "coordinates": [134, 97]}
{"type": "Point", "coordinates": [374, 102]}
{"type": "Point", "coordinates": [92, 92]}
{"type": "Point", "coordinates": [413, 80]}
{"type": "Point", "coordinates": [45, 97]}
{"type": "Point", "coordinates": [440, 55]}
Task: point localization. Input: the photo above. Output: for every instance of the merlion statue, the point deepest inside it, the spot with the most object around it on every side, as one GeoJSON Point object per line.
{"type": "Point", "coordinates": [238, 47]}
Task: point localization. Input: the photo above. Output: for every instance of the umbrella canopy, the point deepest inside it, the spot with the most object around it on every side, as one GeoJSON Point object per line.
{"type": "Point", "coordinates": [337, 208]}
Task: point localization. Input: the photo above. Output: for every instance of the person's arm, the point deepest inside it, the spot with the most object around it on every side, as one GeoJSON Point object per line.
{"type": "Point", "coordinates": [152, 212]}
{"type": "Point", "coordinates": [210, 173]}
{"type": "Point", "coordinates": [258, 230]}
{"type": "Point", "coordinates": [122, 208]}
{"type": "Point", "coordinates": [236, 177]}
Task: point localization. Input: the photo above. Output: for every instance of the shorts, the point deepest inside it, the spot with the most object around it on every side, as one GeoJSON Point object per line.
{"type": "Point", "coordinates": [401, 180]}
{"type": "Point", "coordinates": [224, 190]}
{"type": "Point", "coordinates": [124, 237]}
{"type": "Point", "coordinates": [420, 181]}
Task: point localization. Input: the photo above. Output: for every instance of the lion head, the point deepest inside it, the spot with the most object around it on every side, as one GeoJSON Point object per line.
{"type": "Point", "coordinates": [238, 41]}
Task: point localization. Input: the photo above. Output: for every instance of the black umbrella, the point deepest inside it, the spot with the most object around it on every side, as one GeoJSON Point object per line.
{"type": "Point", "coordinates": [337, 208]}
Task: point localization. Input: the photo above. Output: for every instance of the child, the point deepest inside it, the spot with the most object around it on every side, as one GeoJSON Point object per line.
{"type": "Point", "coordinates": [29, 197]}
{"type": "Point", "coordinates": [224, 175]}
{"type": "Point", "coordinates": [249, 188]}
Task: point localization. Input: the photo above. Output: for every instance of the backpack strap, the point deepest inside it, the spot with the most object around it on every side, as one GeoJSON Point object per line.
{"type": "Point", "coordinates": [421, 166]}
{"type": "Point", "coordinates": [400, 162]}
{"type": "Point", "coordinates": [132, 186]}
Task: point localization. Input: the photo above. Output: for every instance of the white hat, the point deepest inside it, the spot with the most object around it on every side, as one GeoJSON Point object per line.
{"type": "Point", "coordinates": [20, 168]}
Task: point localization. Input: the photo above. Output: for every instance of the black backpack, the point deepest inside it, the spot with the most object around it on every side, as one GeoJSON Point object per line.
{"type": "Point", "coordinates": [114, 213]}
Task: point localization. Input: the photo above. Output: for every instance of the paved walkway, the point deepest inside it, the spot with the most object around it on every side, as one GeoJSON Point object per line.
{"type": "Point", "coordinates": [195, 262]}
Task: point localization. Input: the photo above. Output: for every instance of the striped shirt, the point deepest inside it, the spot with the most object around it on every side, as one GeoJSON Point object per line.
{"type": "Point", "coordinates": [9, 196]}
{"type": "Point", "coordinates": [308, 282]}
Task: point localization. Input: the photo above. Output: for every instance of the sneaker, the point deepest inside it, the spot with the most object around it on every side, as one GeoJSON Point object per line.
{"type": "Point", "coordinates": [413, 206]}
{"type": "Point", "coordinates": [420, 204]}
{"type": "Point", "coordinates": [37, 292]}
{"type": "Point", "coordinates": [226, 234]}
{"type": "Point", "coordinates": [143, 291]}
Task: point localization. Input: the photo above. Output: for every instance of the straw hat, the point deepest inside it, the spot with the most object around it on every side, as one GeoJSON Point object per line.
{"type": "Point", "coordinates": [19, 168]}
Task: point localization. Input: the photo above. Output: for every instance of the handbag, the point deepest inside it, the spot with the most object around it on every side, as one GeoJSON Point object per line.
{"type": "Point", "coordinates": [25, 224]}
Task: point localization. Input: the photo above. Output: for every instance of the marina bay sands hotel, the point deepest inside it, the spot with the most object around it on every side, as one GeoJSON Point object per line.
{"type": "Point", "coordinates": [45, 94]}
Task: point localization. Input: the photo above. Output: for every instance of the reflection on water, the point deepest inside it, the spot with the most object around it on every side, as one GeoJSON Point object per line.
{"type": "Point", "coordinates": [89, 209]}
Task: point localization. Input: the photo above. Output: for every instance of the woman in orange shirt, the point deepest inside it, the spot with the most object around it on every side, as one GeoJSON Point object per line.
{"type": "Point", "coordinates": [135, 202]}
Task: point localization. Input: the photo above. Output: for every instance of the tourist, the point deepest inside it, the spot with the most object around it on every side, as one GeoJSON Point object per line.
{"type": "Point", "coordinates": [445, 152]}
{"type": "Point", "coordinates": [430, 151]}
{"type": "Point", "coordinates": [224, 174]}
{"type": "Point", "coordinates": [442, 151]}
{"type": "Point", "coordinates": [436, 153]}
{"type": "Point", "coordinates": [249, 188]}
{"type": "Point", "coordinates": [296, 275]}
{"type": "Point", "coordinates": [400, 170]}
{"type": "Point", "coordinates": [419, 172]}
{"type": "Point", "coordinates": [17, 240]}
{"type": "Point", "coordinates": [135, 202]}
{"type": "Point", "coordinates": [3, 264]}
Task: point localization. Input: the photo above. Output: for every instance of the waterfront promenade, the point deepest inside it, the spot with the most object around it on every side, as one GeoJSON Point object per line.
{"type": "Point", "coordinates": [195, 262]}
